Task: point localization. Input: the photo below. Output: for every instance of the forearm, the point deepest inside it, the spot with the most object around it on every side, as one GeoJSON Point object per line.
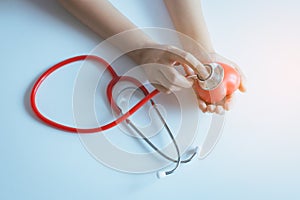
{"type": "Point", "coordinates": [107, 21]}
{"type": "Point", "coordinates": [103, 18]}
{"type": "Point", "coordinates": [188, 19]}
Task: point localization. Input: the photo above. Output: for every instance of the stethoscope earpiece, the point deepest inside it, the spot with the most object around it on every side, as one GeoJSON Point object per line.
{"type": "Point", "coordinates": [161, 174]}
{"type": "Point", "coordinates": [197, 150]}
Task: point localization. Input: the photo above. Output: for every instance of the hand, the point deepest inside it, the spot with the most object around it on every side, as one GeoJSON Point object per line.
{"type": "Point", "coordinates": [225, 103]}
{"type": "Point", "coordinates": [159, 61]}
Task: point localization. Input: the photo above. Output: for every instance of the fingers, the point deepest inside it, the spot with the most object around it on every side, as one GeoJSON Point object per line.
{"type": "Point", "coordinates": [171, 56]}
{"type": "Point", "coordinates": [163, 84]}
{"type": "Point", "coordinates": [175, 78]}
{"type": "Point", "coordinates": [202, 105]}
{"type": "Point", "coordinates": [183, 57]}
{"type": "Point", "coordinates": [161, 88]}
{"type": "Point", "coordinates": [228, 102]}
{"type": "Point", "coordinates": [218, 58]}
{"type": "Point", "coordinates": [218, 109]}
{"type": "Point", "coordinates": [167, 77]}
{"type": "Point", "coordinates": [242, 86]}
{"type": "Point", "coordinates": [211, 108]}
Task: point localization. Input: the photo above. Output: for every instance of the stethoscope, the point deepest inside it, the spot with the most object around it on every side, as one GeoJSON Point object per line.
{"type": "Point", "coordinates": [130, 124]}
{"type": "Point", "coordinates": [123, 116]}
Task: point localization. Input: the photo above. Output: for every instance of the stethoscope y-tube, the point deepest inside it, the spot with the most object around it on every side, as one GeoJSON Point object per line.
{"type": "Point", "coordinates": [178, 161]}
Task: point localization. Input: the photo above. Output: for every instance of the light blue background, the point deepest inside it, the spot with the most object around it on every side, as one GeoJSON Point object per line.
{"type": "Point", "coordinates": [257, 157]}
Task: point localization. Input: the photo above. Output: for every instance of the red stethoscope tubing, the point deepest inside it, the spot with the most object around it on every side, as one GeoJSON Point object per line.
{"type": "Point", "coordinates": [113, 82]}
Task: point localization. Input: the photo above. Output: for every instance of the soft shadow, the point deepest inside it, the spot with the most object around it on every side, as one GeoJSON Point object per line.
{"type": "Point", "coordinates": [26, 101]}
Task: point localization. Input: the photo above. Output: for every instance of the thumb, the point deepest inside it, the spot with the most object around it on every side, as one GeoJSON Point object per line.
{"type": "Point", "coordinates": [184, 57]}
{"type": "Point", "coordinates": [174, 77]}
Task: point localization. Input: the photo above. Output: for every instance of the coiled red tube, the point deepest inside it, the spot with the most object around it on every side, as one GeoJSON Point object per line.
{"type": "Point", "coordinates": [115, 79]}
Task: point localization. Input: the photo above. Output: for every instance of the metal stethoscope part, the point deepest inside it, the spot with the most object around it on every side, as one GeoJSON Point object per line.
{"type": "Point", "coordinates": [215, 77]}
{"type": "Point", "coordinates": [121, 101]}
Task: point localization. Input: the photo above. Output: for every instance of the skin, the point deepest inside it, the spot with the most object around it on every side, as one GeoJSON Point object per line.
{"type": "Point", "coordinates": [190, 11]}
{"type": "Point", "coordinates": [103, 18]}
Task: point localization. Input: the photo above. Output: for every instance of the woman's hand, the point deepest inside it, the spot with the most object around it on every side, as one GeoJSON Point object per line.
{"type": "Point", "coordinates": [226, 103]}
{"type": "Point", "coordinates": [159, 61]}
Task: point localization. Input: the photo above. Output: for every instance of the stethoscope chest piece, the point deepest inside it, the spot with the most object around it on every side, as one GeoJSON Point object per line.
{"type": "Point", "coordinates": [215, 77]}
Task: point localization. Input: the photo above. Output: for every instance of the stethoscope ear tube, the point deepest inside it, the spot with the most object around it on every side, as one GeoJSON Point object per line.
{"type": "Point", "coordinates": [114, 80]}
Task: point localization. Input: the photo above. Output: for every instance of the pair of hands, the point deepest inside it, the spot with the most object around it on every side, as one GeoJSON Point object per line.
{"type": "Point", "coordinates": [160, 70]}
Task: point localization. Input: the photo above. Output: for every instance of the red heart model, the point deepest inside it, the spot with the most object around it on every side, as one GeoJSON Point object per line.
{"type": "Point", "coordinates": [229, 85]}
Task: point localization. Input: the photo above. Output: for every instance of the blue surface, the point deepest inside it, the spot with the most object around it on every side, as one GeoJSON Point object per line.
{"type": "Point", "coordinates": [257, 157]}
